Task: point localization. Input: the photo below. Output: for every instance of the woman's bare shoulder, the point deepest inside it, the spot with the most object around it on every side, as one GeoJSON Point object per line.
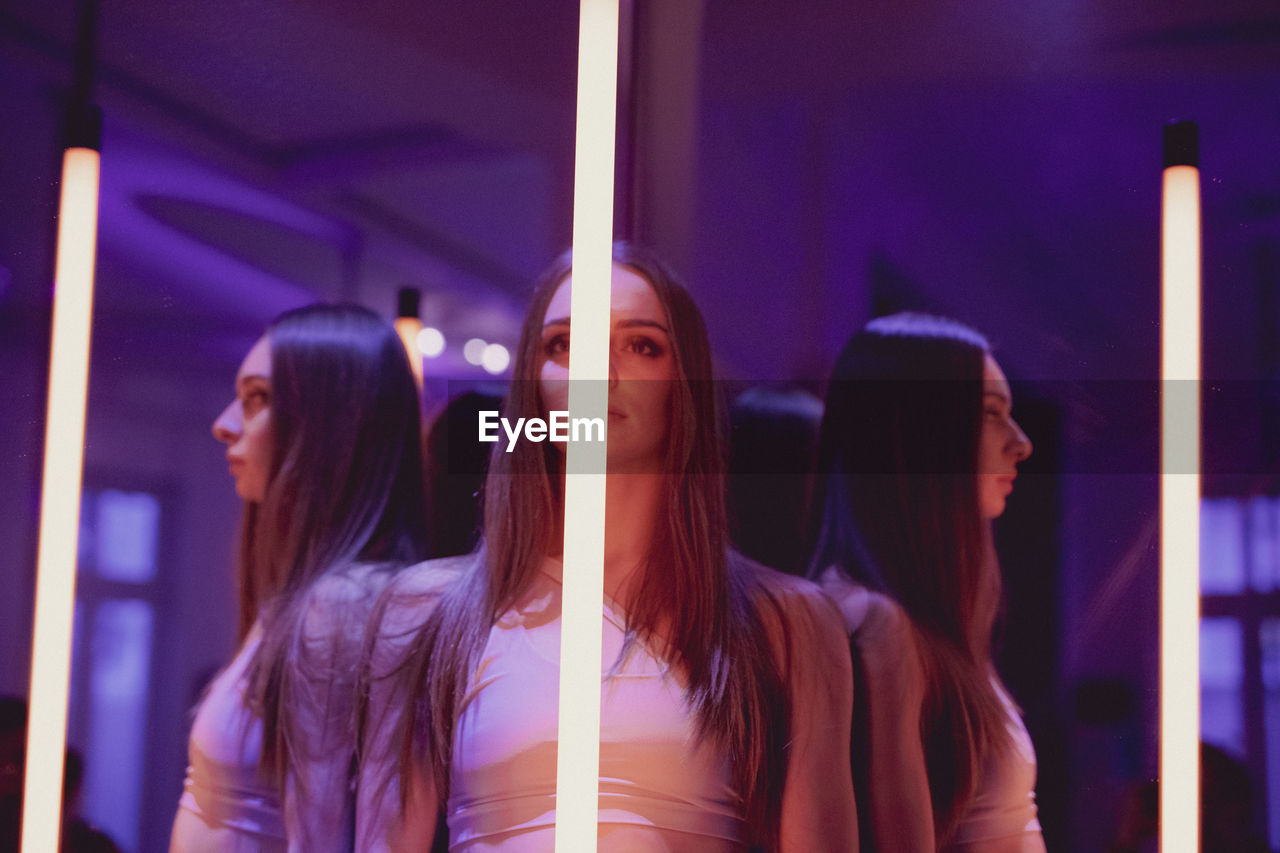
{"type": "Point", "coordinates": [350, 594]}
{"type": "Point", "coordinates": [413, 593]}
{"type": "Point", "coordinates": [794, 607]}
{"type": "Point", "coordinates": [789, 591]}
{"type": "Point", "coordinates": [334, 610]}
{"type": "Point", "coordinates": [879, 626]}
{"type": "Point", "coordinates": [431, 578]}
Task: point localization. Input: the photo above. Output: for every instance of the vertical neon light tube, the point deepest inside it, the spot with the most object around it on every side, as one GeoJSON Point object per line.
{"type": "Point", "coordinates": [60, 501]}
{"type": "Point", "coordinates": [1180, 492]}
{"type": "Point", "coordinates": [578, 753]}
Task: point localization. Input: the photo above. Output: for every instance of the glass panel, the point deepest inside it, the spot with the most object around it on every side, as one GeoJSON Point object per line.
{"type": "Point", "coordinates": [1270, 638]}
{"type": "Point", "coordinates": [1264, 543]}
{"type": "Point", "coordinates": [1221, 679]}
{"type": "Point", "coordinates": [1271, 654]}
{"type": "Point", "coordinates": [121, 654]}
{"type": "Point", "coordinates": [84, 537]}
{"type": "Point", "coordinates": [126, 536]}
{"type": "Point", "coordinates": [1221, 546]}
{"type": "Point", "coordinates": [79, 666]}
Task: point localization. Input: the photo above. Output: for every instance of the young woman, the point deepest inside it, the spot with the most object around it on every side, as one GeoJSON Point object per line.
{"type": "Point", "coordinates": [323, 441]}
{"type": "Point", "coordinates": [726, 696]}
{"type": "Point", "coordinates": [917, 454]}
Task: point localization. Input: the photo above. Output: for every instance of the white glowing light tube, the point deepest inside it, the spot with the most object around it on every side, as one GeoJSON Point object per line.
{"type": "Point", "coordinates": [60, 501]}
{"type": "Point", "coordinates": [578, 754]}
{"type": "Point", "coordinates": [1180, 493]}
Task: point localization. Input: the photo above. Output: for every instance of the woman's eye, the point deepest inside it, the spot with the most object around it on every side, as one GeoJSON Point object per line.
{"type": "Point", "coordinates": [254, 400]}
{"type": "Point", "coordinates": [644, 346]}
{"type": "Point", "coordinates": [557, 345]}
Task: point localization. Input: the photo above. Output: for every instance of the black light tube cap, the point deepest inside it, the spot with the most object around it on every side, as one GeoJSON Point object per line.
{"type": "Point", "coordinates": [1182, 144]}
{"type": "Point", "coordinates": [407, 302]}
{"type": "Point", "coordinates": [84, 127]}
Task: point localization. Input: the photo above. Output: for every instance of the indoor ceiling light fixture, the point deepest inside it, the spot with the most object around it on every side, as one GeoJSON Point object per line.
{"type": "Point", "coordinates": [408, 326]}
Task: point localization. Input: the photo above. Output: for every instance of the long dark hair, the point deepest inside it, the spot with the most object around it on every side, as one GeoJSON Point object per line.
{"type": "Point", "coordinates": [708, 604]}
{"type": "Point", "coordinates": [896, 502]}
{"type": "Point", "coordinates": [344, 488]}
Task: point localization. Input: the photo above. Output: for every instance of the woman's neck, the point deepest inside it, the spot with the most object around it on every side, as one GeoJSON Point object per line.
{"type": "Point", "coordinates": [631, 510]}
{"type": "Point", "coordinates": [631, 516]}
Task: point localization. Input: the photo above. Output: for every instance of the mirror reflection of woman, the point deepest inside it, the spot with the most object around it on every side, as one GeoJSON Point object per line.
{"type": "Point", "coordinates": [918, 453]}
{"type": "Point", "coordinates": [323, 441]}
{"type": "Point", "coordinates": [727, 690]}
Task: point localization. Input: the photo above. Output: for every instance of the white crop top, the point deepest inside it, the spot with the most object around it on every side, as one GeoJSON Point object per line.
{"type": "Point", "coordinates": [225, 804]}
{"type": "Point", "coordinates": [1004, 807]}
{"type": "Point", "coordinates": [1005, 804]}
{"type": "Point", "coordinates": [659, 788]}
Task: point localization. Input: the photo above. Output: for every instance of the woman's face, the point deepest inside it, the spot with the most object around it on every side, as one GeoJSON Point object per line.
{"type": "Point", "coordinates": [1002, 445]}
{"type": "Point", "coordinates": [245, 425]}
{"type": "Point", "coordinates": [642, 367]}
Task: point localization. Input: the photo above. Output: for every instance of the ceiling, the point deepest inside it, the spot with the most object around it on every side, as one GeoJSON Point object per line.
{"type": "Point", "coordinates": [260, 155]}
{"type": "Point", "coordinates": [264, 154]}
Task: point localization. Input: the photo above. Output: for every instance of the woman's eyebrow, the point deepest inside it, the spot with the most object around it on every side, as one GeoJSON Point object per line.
{"type": "Point", "coordinates": [1000, 395]}
{"type": "Point", "coordinates": [642, 323]}
{"type": "Point", "coordinates": [622, 324]}
{"type": "Point", "coordinates": [250, 377]}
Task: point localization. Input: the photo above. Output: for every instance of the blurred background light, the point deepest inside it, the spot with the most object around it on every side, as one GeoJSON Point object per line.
{"type": "Point", "coordinates": [431, 342]}
{"type": "Point", "coordinates": [495, 358]}
{"type": "Point", "coordinates": [473, 351]}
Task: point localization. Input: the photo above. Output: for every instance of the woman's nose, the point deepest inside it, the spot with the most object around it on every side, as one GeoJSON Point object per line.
{"type": "Point", "coordinates": [1021, 444]}
{"type": "Point", "coordinates": [228, 425]}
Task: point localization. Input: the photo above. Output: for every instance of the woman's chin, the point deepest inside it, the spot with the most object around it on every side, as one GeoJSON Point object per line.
{"type": "Point", "coordinates": [249, 493]}
{"type": "Point", "coordinates": [993, 508]}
